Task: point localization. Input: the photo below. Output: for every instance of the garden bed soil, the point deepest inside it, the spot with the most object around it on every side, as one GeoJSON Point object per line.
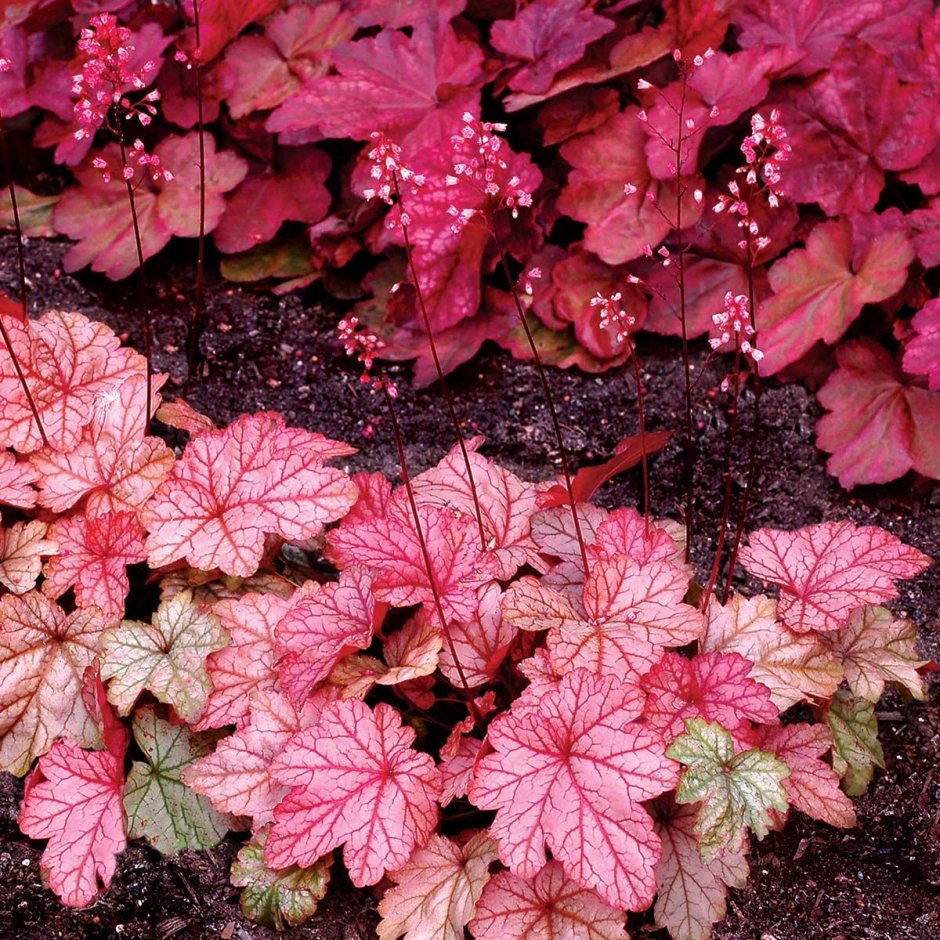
{"type": "Point", "coordinates": [880, 881]}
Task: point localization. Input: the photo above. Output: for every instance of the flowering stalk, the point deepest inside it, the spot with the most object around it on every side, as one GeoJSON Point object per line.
{"type": "Point", "coordinates": [390, 172]}
{"type": "Point", "coordinates": [365, 347]}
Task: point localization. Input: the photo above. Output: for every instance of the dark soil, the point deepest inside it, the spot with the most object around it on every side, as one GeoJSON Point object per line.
{"type": "Point", "coordinates": [879, 882]}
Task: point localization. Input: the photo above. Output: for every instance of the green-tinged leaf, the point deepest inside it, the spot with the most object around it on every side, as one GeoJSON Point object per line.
{"type": "Point", "coordinates": [855, 749]}
{"type": "Point", "coordinates": [160, 807]}
{"type": "Point", "coordinates": [737, 791]}
{"type": "Point", "coordinates": [278, 898]}
{"type": "Point", "coordinates": [35, 212]}
{"type": "Point", "coordinates": [284, 257]}
{"type": "Point", "coordinates": [167, 657]}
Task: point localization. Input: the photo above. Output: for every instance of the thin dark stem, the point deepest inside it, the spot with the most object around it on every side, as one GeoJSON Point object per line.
{"type": "Point", "coordinates": [543, 380]}
{"type": "Point", "coordinates": [196, 321]}
{"type": "Point", "coordinates": [21, 257]}
{"type": "Point", "coordinates": [143, 306]}
{"type": "Point", "coordinates": [409, 489]}
{"type": "Point", "coordinates": [642, 419]}
{"type": "Point", "coordinates": [445, 389]}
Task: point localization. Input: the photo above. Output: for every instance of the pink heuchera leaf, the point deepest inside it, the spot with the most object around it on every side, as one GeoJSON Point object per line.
{"type": "Point", "coordinates": [506, 503]}
{"type": "Point", "coordinates": [457, 770]}
{"type": "Point", "coordinates": [236, 777]}
{"type": "Point", "coordinates": [16, 482]}
{"type": "Point", "coordinates": [70, 364]}
{"type": "Point", "coordinates": [828, 571]}
{"type": "Point", "coordinates": [389, 546]}
{"type": "Point", "coordinates": [549, 904]}
{"type": "Point", "coordinates": [247, 664]}
{"type": "Point", "coordinates": [233, 487]}
{"type": "Point", "coordinates": [922, 353]}
{"type": "Point", "coordinates": [880, 425]}
{"type": "Point", "coordinates": [113, 467]}
{"type": "Point", "coordinates": [93, 557]}
{"type": "Point", "coordinates": [293, 191]}
{"type": "Point", "coordinates": [97, 215]}
{"type": "Point", "coordinates": [547, 35]}
{"type": "Point", "coordinates": [820, 289]}
{"type": "Point", "coordinates": [552, 778]}
{"type": "Point", "coordinates": [875, 648]}
{"type": "Point", "coordinates": [691, 894]}
{"type": "Point", "coordinates": [625, 532]}
{"type": "Point", "coordinates": [74, 799]}
{"type": "Point", "coordinates": [221, 21]}
{"type": "Point", "coordinates": [435, 895]}
{"type": "Point", "coordinates": [43, 653]}
{"type": "Point", "coordinates": [795, 667]}
{"type": "Point", "coordinates": [813, 786]}
{"type": "Point", "coordinates": [619, 227]}
{"type": "Point", "coordinates": [413, 88]}
{"type": "Point", "coordinates": [413, 652]}
{"type": "Point", "coordinates": [712, 685]}
{"type": "Point", "coordinates": [22, 548]}
{"type": "Point", "coordinates": [355, 779]}
{"type": "Point", "coordinates": [322, 627]}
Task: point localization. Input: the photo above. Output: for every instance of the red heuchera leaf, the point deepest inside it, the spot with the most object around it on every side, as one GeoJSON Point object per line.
{"type": "Point", "coordinates": [97, 213]}
{"type": "Point", "coordinates": [389, 547]}
{"type": "Point", "coordinates": [236, 777]}
{"type": "Point", "coordinates": [43, 653]}
{"type": "Point", "coordinates": [70, 364]}
{"type": "Point", "coordinates": [413, 88]}
{"type": "Point", "coordinates": [813, 786]}
{"type": "Point", "coordinates": [220, 21]}
{"type": "Point", "coordinates": [436, 893]}
{"type": "Point", "coordinates": [74, 799]}
{"type": "Point", "coordinates": [714, 686]}
{"type": "Point", "coordinates": [16, 482]}
{"type": "Point", "coordinates": [506, 504]}
{"type": "Point", "coordinates": [293, 191]}
{"type": "Point", "coordinates": [548, 35]}
{"type": "Point", "coordinates": [851, 125]}
{"type": "Point", "coordinates": [113, 465]}
{"type": "Point", "coordinates": [879, 425]}
{"type": "Point", "coordinates": [355, 779]}
{"type": "Point", "coordinates": [691, 894]}
{"type": "Point", "coordinates": [549, 904]}
{"type": "Point", "coordinates": [21, 549]}
{"type": "Point", "coordinates": [922, 353]}
{"type": "Point", "coordinates": [322, 627]}
{"type": "Point", "coordinates": [795, 667]}
{"type": "Point", "coordinates": [93, 556]}
{"type": "Point", "coordinates": [232, 487]}
{"type": "Point", "coordinates": [247, 665]}
{"type": "Point", "coordinates": [262, 71]}
{"type": "Point", "coordinates": [619, 227]}
{"type": "Point", "coordinates": [551, 779]}
{"type": "Point", "coordinates": [820, 289]}
{"type": "Point", "coordinates": [828, 571]}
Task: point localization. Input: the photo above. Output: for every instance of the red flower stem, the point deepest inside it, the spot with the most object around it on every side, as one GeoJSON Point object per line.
{"type": "Point", "coordinates": [143, 306]}
{"type": "Point", "coordinates": [409, 489]}
{"type": "Point", "coordinates": [543, 379]}
{"type": "Point", "coordinates": [445, 389]}
{"type": "Point", "coordinates": [196, 321]}
{"type": "Point", "coordinates": [642, 420]}
{"type": "Point", "coordinates": [21, 257]}
{"type": "Point", "coordinates": [727, 497]}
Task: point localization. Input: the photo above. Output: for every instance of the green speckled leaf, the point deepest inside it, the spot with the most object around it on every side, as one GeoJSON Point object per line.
{"type": "Point", "coordinates": [855, 748]}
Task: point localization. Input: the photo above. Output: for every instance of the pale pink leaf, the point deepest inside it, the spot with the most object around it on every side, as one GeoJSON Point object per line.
{"type": "Point", "coordinates": [93, 557]}
{"type": "Point", "coordinates": [43, 653]}
{"type": "Point", "coordinates": [356, 780]}
{"type": "Point", "coordinates": [826, 572]}
{"type": "Point", "coordinates": [435, 895]}
{"type": "Point", "coordinates": [457, 771]}
{"type": "Point", "coordinates": [16, 482]}
{"type": "Point", "coordinates": [568, 775]}
{"type": "Point", "coordinates": [22, 548]}
{"type": "Point", "coordinates": [547, 904]}
{"type": "Point", "coordinates": [74, 799]}
{"type": "Point", "coordinates": [166, 657]}
{"type": "Point", "coordinates": [413, 651]}
{"type": "Point", "coordinates": [232, 487]}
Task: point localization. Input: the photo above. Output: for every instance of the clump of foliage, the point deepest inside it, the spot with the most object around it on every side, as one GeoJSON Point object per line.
{"type": "Point", "coordinates": [246, 106]}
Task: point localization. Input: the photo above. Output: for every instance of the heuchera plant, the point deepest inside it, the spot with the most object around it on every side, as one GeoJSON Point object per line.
{"type": "Point", "coordinates": [518, 713]}
{"type": "Point", "coordinates": [240, 104]}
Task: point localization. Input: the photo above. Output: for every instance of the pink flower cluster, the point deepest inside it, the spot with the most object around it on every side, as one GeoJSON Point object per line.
{"type": "Point", "coordinates": [365, 346]}
{"type": "Point", "coordinates": [610, 312]}
{"type": "Point", "coordinates": [735, 320]}
{"type": "Point", "coordinates": [477, 150]}
{"type": "Point", "coordinates": [389, 171]}
{"type": "Point", "coordinates": [138, 154]}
